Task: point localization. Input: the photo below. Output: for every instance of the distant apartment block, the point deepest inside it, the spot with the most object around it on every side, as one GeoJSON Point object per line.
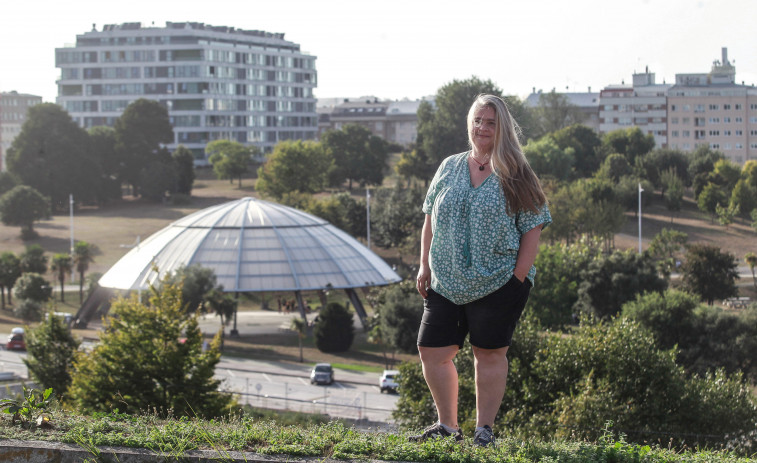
{"type": "Point", "coordinates": [217, 82]}
{"type": "Point", "coordinates": [13, 108]}
{"type": "Point", "coordinates": [587, 103]}
{"type": "Point", "coordinates": [712, 109]}
{"type": "Point", "coordinates": [642, 105]}
{"type": "Point", "coordinates": [394, 121]}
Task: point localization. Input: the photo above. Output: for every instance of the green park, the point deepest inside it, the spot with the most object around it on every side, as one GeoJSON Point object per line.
{"type": "Point", "coordinates": [637, 343]}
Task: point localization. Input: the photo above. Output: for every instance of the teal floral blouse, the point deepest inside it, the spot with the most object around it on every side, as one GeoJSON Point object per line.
{"type": "Point", "coordinates": [475, 242]}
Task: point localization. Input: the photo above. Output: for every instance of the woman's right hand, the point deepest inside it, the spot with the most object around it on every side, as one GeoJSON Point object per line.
{"type": "Point", "coordinates": [423, 281]}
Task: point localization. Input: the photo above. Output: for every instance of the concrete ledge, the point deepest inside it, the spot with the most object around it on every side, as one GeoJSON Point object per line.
{"type": "Point", "coordinates": [19, 451]}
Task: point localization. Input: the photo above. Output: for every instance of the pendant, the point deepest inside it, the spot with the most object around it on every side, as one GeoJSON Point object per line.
{"type": "Point", "coordinates": [480, 167]}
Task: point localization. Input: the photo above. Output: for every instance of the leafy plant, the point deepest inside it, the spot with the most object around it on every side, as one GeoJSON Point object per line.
{"type": "Point", "coordinates": [32, 407]}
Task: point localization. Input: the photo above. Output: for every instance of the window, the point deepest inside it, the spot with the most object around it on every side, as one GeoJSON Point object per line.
{"type": "Point", "coordinates": [727, 133]}
{"type": "Point", "coordinates": [715, 146]}
{"type": "Point", "coordinates": [738, 146]}
{"type": "Point", "coordinates": [674, 120]}
{"type": "Point", "coordinates": [699, 108]}
{"type": "Point", "coordinates": [726, 120]}
{"type": "Point", "coordinates": [714, 133]}
{"type": "Point", "coordinates": [726, 106]}
{"type": "Point", "coordinates": [675, 133]}
{"type": "Point", "coordinates": [739, 133]}
{"type": "Point", "coordinates": [715, 120]}
{"type": "Point", "coordinates": [737, 106]}
{"type": "Point", "coordinates": [714, 107]}
{"type": "Point", "coordinates": [672, 107]}
{"type": "Point", "coordinates": [686, 134]}
{"type": "Point", "coordinates": [738, 119]}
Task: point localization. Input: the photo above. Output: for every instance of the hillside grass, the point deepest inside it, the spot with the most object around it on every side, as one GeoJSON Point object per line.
{"type": "Point", "coordinates": [175, 438]}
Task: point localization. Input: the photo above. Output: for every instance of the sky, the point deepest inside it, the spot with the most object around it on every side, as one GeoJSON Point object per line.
{"type": "Point", "coordinates": [396, 49]}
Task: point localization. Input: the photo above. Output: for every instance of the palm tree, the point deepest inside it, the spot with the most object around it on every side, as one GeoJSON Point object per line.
{"type": "Point", "coordinates": [751, 259]}
{"type": "Point", "coordinates": [61, 267]}
{"type": "Point", "coordinates": [299, 326]}
{"type": "Point", "coordinates": [83, 256]}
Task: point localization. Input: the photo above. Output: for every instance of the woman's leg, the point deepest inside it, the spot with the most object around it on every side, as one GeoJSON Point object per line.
{"type": "Point", "coordinates": [491, 380]}
{"type": "Point", "coordinates": [441, 377]}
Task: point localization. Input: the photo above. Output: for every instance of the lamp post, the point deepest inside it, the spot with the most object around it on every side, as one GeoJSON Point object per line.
{"type": "Point", "coordinates": [368, 215]}
{"type": "Point", "coordinates": [640, 190]}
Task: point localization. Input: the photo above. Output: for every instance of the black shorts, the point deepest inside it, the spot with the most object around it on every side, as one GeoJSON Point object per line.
{"type": "Point", "coordinates": [490, 320]}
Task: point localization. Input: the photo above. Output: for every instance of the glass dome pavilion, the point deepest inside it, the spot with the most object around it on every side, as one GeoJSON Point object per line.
{"type": "Point", "coordinates": [254, 246]}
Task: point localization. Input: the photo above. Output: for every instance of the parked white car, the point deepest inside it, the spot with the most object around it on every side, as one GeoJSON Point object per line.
{"type": "Point", "coordinates": [389, 381]}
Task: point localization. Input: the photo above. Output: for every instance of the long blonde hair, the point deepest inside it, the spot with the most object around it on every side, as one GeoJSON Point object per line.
{"type": "Point", "coordinates": [519, 182]}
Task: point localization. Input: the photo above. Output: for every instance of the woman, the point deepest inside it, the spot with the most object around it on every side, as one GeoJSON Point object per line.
{"type": "Point", "coordinates": [485, 210]}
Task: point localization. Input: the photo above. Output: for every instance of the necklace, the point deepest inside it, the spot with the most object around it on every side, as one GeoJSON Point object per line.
{"type": "Point", "coordinates": [480, 165]}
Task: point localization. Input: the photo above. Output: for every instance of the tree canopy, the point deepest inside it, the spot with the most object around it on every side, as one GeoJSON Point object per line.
{"type": "Point", "coordinates": [52, 154]}
{"type": "Point", "coordinates": [709, 272]}
{"type": "Point", "coordinates": [150, 357]}
{"type": "Point", "coordinates": [22, 206]}
{"type": "Point", "coordinates": [230, 159]}
{"type": "Point", "coordinates": [358, 155]}
{"type": "Point", "coordinates": [140, 131]}
{"type": "Point", "coordinates": [294, 166]}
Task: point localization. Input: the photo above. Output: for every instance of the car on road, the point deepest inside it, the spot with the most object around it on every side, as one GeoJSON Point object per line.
{"type": "Point", "coordinates": [389, 381]}
{"type": "Point", "coordinates": [16, 340]}
{"type": "Point", "coordinates": [322, 373]}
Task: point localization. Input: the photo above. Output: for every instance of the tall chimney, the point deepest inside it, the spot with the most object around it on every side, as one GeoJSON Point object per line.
{"type": "Point", "coordinates": [725, 55]}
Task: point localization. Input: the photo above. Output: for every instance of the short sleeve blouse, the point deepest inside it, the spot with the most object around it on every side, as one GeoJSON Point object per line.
{"type": "Point", "coordinates": [474, 246]}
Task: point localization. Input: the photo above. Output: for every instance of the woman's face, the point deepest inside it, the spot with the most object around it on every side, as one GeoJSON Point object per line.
{"type": "Point", "coordinates": [484, 127]}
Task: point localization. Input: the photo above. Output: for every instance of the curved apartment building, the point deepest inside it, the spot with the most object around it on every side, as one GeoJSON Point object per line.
{"type": "Point", "coordinates": [217, 82]}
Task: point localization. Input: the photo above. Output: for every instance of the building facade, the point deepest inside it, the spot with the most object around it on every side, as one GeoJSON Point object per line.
{"type": "Point", "coordinates": [394, 121]}
{"type": "Point", "coordinates": [711, 109]}
{"type": "Point", "coordinates": [13, 108]}
{"type": "Point", "coordinates": [249, 86]}
{"type": "Point", "coordinates": [642, 105]}
{"type": "Point", "coordinates": [586, 102]}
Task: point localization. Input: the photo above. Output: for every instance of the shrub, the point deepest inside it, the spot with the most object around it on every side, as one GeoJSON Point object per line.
{"type": "Point", "coordinates": [50, 347]}
{"type": "Point", "coordinates": [28, 310]}
{"type": "Point", "coordinates": [32, 286]}
{"type": "Point", "coordinates": [333, 331]}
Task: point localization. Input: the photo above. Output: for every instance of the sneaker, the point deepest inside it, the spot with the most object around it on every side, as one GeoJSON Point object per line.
{"type": "Point", "coordinates": [436, 431]}
{"type": "Point", "coordinates": [484, 437]}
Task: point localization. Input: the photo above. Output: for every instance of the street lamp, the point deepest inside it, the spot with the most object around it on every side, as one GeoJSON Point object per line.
{"type": "Point", "coordinates": [640, 190]}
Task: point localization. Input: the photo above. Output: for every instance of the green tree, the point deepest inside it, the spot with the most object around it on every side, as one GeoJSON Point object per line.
{"type": "Point", "coordinates": [196, 283]}
{"type": "Point", "coordinates": [33, 259]}
{"type": "Point", "coordinates": [548, 159]}
{"type": "Point", "coordinates": [709, 272]}
{"type": "Point", "coordinates": [102, 142]}
{"type": "Point", "coordinates": [222, 304]}
{"type": "Point", "coordinates": [614, 167]}
{"type": "Point", "coordinates": [586, 148]}
{"type": "Point", "coordinates": [84, 254]}
{"type": "Point", "coordinates": [299, 326]}
{"type": "Point", "coordinates": [701, 165]}
{"type": "Point", "coordinates": [559, 266]}
{"type": "Point", "coordinates": [10, 270]}
{"type": "Point", "coordinates": [395, 217]}
{"type": "Point", "coordinates": [150, 357]}
{"type": "Point", "coordinates": [32, 286]}
{"type": "Point", "coordinates": [185, 169]}
{"type": "Point", "coordinates": [8, 181]}
{"type": "Point", "coordinates": [743, 197]}
{"type": "Point", "coordinates": [555, 112]}
{"type": "Point", "coordinates": [654, 164]}
{"type": "Point", "coordinates": [294, 166]}
{"type": "Point", "coordinates": [711, 196]}
{"type": "Point", "coordinates": [62, 267]}
{"type": "Point", "coordinates": [414, 164]}
{"type": "Point", "coordinates": [669, 315]}
{"type": "Point", "coordinates": [21, 207]}
{"type": "Point", "coordinates": [53, 156]}
{"type": "Point", "coordinates": [400, 310]}
{"type": "Point", "coordinates": [443, 128]}
{"type": "Point", "coordinates": [28, 310]}
{"type": "Point", "coordinates": [609, 282]}
{"type": "Point", "coordinates": [726, 173]}
{"type": "Point", "coordinates": [140, 131]}
{"type": "Point", "coordinates": [230, 159]}
{"type": "Point", "coordinates": [341, 210]}
{"type": "Point", "coordinates": [666, 250]}
{"type": "Point", "coordinates": [333, 331]}
{"type": "Point", "coordinates": [725, 214]}
{"type": "Point", "coordinates": [358, 155]}
{"type": "Point", "coordinates": [673, 187]}
{"type": "Point", "coordinates": [631, 142]}
{"type": "Point", "coordinates": [751, 259]}
{"type": "Point", "coordinates": [50, 351]}
{"type": "Point", "coordinates": [159, 179]}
